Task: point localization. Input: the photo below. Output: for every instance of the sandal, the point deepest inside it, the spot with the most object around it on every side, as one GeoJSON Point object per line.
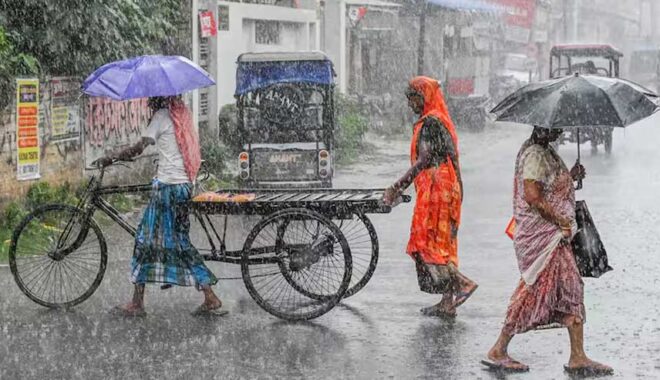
{"type": "Point", "coordinates": [433, 311]}
{"type": "Point", "coordinates": [463, 296]}
{"type": "Point", "coordinates": [120, 311]}
{"type": "Point", "coordinates": [506, 365]}
{"type": "Point", "coordinates": [204, 310]}
{"type": "Point", "coordinates": [589, 371]}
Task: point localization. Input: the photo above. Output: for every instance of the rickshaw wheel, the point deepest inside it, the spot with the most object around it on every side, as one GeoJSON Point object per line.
{"type": "Point", "coordinates": [363, 240]}
{"type": "Point", "coordinates": [41, 270]}
{"type": "Point", "coordinates": [299, 245]}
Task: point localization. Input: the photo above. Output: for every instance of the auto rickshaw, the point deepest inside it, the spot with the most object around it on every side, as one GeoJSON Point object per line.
{"type": "Point", "coordinates": [587, 60]}
{"type": "Point", "coordinates": [286, 120]}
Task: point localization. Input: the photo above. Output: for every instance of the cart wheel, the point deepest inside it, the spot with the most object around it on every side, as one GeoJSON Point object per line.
{"type": "Point", "coordinates": [363, 240]}
{"type": "Point", "coordinates": [296, 264]}
{"type": "Point", "coordinates": [56, 257]}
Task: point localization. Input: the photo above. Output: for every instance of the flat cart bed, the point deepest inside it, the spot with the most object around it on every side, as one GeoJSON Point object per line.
{"type": "Point", "coordinates": [329, 202]}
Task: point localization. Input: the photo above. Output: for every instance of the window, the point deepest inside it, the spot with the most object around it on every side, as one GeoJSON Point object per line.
{"type": "Point", "coordinates": [223, 17]}
{"type": "Point", "coordinates": [267, 32]}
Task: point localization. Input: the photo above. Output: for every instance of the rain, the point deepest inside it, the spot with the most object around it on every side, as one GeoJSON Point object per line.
{"type": "Point", "coordinates": [324, 189]}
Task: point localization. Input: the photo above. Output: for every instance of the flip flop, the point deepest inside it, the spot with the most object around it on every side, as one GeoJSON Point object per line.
{"type": "Point", "coordinates": [117, 310]}
{"type": "Point", "coordinates": [588, 371]}
{"type": "Point", "coordinates": [203, 310]}
{"type": "Point", "coordinates": [461, 297]}
{"type": "Point", "coordinates": [504, 366]}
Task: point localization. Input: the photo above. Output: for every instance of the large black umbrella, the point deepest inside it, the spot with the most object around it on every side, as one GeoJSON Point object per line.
{"type": "Point", "coordinates": [578, 101]}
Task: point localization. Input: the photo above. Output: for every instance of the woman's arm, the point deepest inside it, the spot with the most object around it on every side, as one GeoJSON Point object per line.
{"type": "Point", "coordinates": [423, 162]}
{"type": "Point", "coordinates": [127, 153]}
{"type": "Point", "coordinates": [533, 195]}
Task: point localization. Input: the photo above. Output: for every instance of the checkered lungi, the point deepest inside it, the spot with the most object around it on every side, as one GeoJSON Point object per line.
{"type": "Point", "coordinates": [163, 252]}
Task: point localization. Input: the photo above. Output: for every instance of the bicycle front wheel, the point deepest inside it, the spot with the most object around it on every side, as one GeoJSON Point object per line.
{"type": "Point", "coordinates": [58, 256]}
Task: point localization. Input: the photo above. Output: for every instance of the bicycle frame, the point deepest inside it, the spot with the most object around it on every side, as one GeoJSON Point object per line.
{"type": "Point", "coordinates": [92, 200]}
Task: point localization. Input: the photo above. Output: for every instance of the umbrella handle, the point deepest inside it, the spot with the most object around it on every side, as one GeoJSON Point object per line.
{"type": "Point", "coordinates": [579, 182]}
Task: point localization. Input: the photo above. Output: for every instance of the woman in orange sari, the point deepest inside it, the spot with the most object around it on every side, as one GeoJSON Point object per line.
{"type": "Point", "coordinates": [436, 174]}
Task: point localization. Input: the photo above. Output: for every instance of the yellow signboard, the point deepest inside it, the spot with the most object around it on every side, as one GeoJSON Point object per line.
{"type": "Point", "coordinates": [27, 129]}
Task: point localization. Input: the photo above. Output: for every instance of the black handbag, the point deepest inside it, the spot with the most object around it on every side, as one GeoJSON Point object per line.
{"type": "Point", "coordinates": [590, 254]}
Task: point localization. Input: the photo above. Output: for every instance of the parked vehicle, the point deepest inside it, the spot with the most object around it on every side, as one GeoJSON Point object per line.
{"type": "Point", "coordinates": [587, 60]}
{"type": "Point", "coordinates": [285, 119]}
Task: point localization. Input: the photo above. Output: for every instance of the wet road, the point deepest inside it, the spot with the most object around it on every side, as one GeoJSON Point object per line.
{"type": "Point", "coordinates": [379, 332]}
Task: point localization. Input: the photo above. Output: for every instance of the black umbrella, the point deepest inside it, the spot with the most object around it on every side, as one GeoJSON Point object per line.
{"type": "Point", "coordinates": [578, 101]}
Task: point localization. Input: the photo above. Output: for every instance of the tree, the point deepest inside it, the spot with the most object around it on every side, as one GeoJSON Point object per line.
{"type": "Point", "coordinates": [70, 37]}
{"type": "Point", "coordinates": [12, 64]}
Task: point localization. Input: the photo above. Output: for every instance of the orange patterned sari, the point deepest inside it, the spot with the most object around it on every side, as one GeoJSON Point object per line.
{"type": "Point", "coordinates": [437, 214]}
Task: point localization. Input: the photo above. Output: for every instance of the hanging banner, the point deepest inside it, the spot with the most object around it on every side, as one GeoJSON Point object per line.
{"type": "Point", "coordinates": [64, 110]}
{"type": "Point", "coordinates": [207, 24]}
{"type": "Point", "coordinates": [27, 129]}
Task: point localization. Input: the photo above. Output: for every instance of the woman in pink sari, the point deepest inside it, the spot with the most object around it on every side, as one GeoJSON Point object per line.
{"type": "Point", "coordinates": [550, 292]}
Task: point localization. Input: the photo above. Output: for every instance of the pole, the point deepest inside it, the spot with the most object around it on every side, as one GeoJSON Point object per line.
{"type": "Point", "coordinates": [422, 37]}
{"type": "Point", "coordinates": [195, 58]}
{"type": "Point", "coordinates": [579, 182]}
{"type": "Point", "coordinates": [565, 19]}
{"type": "Point", "coordinates": [576, 19]}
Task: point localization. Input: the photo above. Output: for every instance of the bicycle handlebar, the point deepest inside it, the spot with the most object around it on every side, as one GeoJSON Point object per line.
{"type": "Point", "coordinates": [95, 165]}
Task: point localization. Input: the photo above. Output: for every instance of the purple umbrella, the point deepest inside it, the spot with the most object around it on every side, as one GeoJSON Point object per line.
{"type": "Point", "coordinates": [146, 76]}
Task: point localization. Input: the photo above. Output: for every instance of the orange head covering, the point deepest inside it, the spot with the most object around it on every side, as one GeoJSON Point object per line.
{"type": "Point", "coordinates": [434, 103]}
{"type": "Point", "coordinates": [437, 212]}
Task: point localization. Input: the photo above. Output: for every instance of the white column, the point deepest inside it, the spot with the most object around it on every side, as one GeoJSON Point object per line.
{"type": "Point", "coordinates": [343, 69]}
{"type": "Point", "coordinates": [195, 58]}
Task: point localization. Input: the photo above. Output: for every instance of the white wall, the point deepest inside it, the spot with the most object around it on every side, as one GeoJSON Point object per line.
{"type": "Point", "coordinates": [299, 31]}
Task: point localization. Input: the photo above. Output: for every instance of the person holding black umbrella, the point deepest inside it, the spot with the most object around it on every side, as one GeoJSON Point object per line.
{"type": "Point", "coordinates": [550, 292]}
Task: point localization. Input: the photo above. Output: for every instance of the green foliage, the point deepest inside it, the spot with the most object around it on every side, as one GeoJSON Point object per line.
{"type": "Point", "coordinates": [38, 194]}
{"type": "Point", "coordinates": [43, 193]}
{"type": "Point", "coordinates": [122, 202]}
{"type": "Point", "coordinates": [215, 157]}
{"type": "Point", "coordinates": [13, 64]}
{"type": "Point", "coordinates": [71, 38]}
{"type": "Point", "coordinates": [351, 126]}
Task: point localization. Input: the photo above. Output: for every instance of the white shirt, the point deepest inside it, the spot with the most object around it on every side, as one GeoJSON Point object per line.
{"type": "Point", "coordinates": [170, 160]}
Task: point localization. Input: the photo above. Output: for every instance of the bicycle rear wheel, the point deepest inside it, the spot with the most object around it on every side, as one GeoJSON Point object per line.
{"type": "Point", "coordinates": [58, 258]}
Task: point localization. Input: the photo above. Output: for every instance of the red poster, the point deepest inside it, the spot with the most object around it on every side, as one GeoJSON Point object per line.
{"type": "Point", "coordinates": [460, 86]}
{"type": "Point", "coordinates": [518, 12]}
{"type": "Point", "coordinates": [207, 24]}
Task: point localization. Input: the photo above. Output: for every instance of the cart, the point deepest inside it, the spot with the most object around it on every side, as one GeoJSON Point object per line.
{"type": "Point", "coordinates": [600, 60]}
{"type": "Point", "coordinates": [297, 263]}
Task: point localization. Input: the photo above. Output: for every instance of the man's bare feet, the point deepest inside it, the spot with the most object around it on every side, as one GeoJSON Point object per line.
{"type": "Point", "coordinates": [206, 309]}
{"type": "Point", "coordinates": [587, 367]}
{"type": "Point", "coordinates": [130, 309]}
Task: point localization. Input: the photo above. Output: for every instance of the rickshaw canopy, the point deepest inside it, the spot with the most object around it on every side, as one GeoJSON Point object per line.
{"type": "Point", "coordinates": [606, 51]}
{"type": "Point", "coordinates": [259, 70]}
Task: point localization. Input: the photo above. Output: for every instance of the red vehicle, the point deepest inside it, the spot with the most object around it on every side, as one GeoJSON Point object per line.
{"type": "Point", "coordinates": [589, 60]}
